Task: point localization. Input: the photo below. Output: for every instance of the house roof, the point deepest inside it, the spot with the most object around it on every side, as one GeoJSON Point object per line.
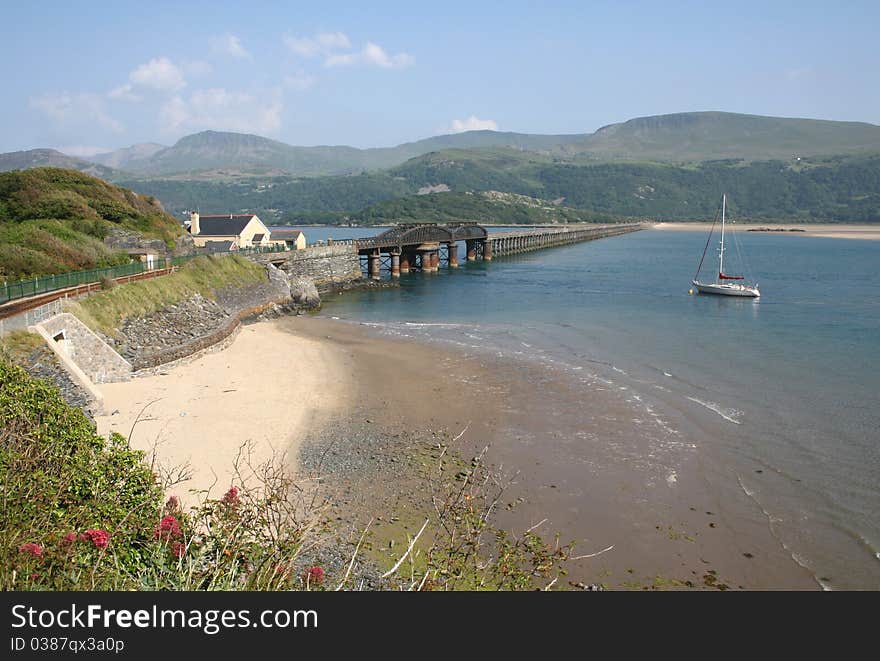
{"type": "Point", "coordinates": [219, 246]}
{"type": "Point", "coordinates": [225, 225]}
{"type": "Point", "coordinates": [288, 235]}
{"type": "Point", "coordinates": [258, 238]}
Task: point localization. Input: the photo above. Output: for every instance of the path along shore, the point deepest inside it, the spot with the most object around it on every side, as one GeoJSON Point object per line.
{"type": "Point", "coordinates": [310, 387]}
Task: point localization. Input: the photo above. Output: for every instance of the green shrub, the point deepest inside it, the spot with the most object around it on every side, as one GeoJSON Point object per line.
{"type": "Point", "coordinates": [81, 512]}
{"type": "Point", "coordinates": [59, 478]}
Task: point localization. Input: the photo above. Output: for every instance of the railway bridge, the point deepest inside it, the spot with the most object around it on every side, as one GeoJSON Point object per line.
{"type": "Point", "coordinates": [425, 246]}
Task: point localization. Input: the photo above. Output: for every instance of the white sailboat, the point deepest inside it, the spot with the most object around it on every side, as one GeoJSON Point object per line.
{"type": "Point", "coordinates": [723, 285]}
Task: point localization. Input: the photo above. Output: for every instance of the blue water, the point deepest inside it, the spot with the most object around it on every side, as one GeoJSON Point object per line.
{"type": "Point", "coordinates": [786, 385]}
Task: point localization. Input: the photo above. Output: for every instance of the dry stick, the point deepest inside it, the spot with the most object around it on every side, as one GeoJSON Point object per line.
{"type": "Point", "coordinates": [536, 525]}
{"type": "Point", "coordinates": [592, 555]}
{"type": "Point", "coordinates": [462, 432]}
{"type": "Point", "coordinates": [403, 557]}
{"type": "Point", "coordinates": [354, 555]}
{"type": "Point", "coordinates": [550, 584]}
{"type": "Point", "coordinates": [424, 579]}
{"type": "Point", "coordinates": [138, 419]}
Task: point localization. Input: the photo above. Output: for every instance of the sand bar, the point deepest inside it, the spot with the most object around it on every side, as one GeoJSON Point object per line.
{"type": "Point", "coordinates": [824, 230]}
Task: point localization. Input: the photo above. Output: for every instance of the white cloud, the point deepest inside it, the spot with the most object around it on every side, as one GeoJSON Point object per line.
{"type": "Point", "coordinates": [230, 45]}
{"type": "Point", "coordinates": [472, 123]}
{"type": "Point", "coordinates": [222, 110]}
{"type": "Point", "coordinates": [323, 43]}
{"type": "Point", "coordinates": [299, 82]}
{"type": "Point", "coordinates": [372, 55]}
{"type": "Point", "coordinates": [83, 151]}
{"type": "Point", "coordinates": [123, 93]}
{"type": "Point", "coordinates": [76, 109]}
{"type": "Point", "coordinates": [160, 74]}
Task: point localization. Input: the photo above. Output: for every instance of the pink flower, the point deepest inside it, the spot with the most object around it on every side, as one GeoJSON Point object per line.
{"type": "Point", "coordinates": [231, 497]}
{"type": "Point", "coordinates": [70, 538]}
{"type": "Point", "coordinates": [314, 575]}
{"type": "Point", "coordinates": [168, 528]}
{"type": "Point", "coordinates": [34, 549]}
{"type": "Point", "coordinates": [178, 549]}
{"type": "Point", "coordinates": [100, 538]}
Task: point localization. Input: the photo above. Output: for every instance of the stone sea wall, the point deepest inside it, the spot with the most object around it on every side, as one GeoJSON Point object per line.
{"type": "Point", "coordinates": [325, 266]}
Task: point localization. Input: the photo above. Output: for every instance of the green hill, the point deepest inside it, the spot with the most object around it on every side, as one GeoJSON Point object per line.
{"type": "Point", "coordinates": [222, 155]}
{"type": "Point", "coordinates": [40, 158]}
{"type": "Point", "coordinates": [486, 207]}
{"type": "Point", "coordinates": [675, 138]}
{"type": "Point", "coordinates": [828, 189]}
{"type": "Point", "coordinates": [54, 220]}
{"type": "Point", "coordinates": [701, 136]}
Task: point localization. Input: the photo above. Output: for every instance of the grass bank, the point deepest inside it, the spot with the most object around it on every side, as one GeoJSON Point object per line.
{"type": "Point", "coordinates": [204, 275]}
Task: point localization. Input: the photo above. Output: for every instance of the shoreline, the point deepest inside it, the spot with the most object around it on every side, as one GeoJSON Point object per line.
{"type": "Point", "coordinates": [371, 406]}
{"type": "Point", "coordinates": [585, 484]}
{"type": "Point", "coordinates": [823, 230]}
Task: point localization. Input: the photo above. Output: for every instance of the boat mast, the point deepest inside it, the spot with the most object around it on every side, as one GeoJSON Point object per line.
{"type": "Point", "coordinates": [721, 252]}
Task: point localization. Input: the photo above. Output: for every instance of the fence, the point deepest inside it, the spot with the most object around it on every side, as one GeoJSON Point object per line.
{"type": "Point", "coordinates": [11, 291]}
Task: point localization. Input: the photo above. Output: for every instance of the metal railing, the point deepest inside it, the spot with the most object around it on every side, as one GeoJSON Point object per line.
{"type": "Point", "coordinates": [10, 291]}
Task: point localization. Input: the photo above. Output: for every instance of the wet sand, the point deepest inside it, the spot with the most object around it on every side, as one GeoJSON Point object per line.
{"type": "Point", "coordinates": [591, 467]}
{"type": "Point", "coordinates": [825, 230]}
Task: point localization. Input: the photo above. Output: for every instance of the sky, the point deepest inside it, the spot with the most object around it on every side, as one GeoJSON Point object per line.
{"type": "Point", "coordinates": [91, 77]}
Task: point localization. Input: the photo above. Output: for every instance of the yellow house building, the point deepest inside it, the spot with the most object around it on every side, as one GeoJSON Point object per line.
{"type": "Point", "coordinates": [230, 231]}
{"type": "Point", "coordinates": [293, 239]}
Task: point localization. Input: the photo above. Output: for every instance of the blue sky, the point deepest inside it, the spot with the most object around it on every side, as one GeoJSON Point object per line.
{"type": "Point", "coordinates": [84, 77]}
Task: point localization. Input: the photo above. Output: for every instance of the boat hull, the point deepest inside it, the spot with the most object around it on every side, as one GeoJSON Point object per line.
{"type": "Point", "coordinates": [718, 289]}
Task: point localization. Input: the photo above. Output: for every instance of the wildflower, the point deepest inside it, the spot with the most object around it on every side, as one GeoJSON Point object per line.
{"type": "Point", "coordinates": [35, 575]}
{"type": "Point", "coordinates": [231, 497]}
{"type": "Point", "coordinates": [314, 575]}
{"type": "Point", "coordinates": [172, 504]}
{"type": "Point", "coordinates": [34, 549]}
{"type": "Point", "coordinates": [100, 538]}
{"type": "Point", "coordinates": [69, 538]}
{"type": "Point", "coordinates": [168, 528]}
{"type": "Point", "coordinates": [178, 549]}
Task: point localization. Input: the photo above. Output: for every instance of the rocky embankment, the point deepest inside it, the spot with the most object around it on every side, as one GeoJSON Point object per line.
{"type": "Point", "coordinates": [175, 325]}
{"type": "Point", "coordinates": [196, 323]}
{"type": "Point", "coordinates": [41, 363]}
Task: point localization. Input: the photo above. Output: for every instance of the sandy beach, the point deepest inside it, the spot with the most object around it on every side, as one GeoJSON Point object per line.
{"type": "Point", "coordinates": [828, 231]}
{"type": "Point", "coordinates": [266, 390]}
{"type": "Point", "coordinates": [361, 407]}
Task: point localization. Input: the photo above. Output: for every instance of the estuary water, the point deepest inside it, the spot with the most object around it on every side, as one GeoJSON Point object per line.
{"type": "Point", "coordinates": [779, 393]}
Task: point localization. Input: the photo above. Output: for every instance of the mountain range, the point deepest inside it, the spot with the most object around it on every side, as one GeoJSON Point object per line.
{"type": "Point", "coordinates": [675, 138]}
{"type": "Point", "coordinates": [671, 167]}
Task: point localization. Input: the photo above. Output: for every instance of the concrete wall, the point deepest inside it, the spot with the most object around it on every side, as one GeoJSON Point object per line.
{"type": "Point", "coordinates": [324, 265]}
{"type": "Point", "coordinates": [98, 360]}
